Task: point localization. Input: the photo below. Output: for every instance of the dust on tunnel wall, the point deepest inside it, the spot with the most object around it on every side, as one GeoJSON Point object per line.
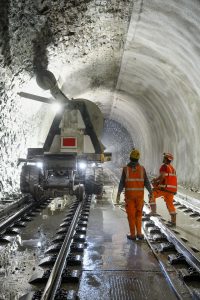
{"type": "Point", "coordinates": [158, 81]}
{"type": "Point", "coordinates": [159, 85]}
{"type": "Point", "coordinates": [49, 33]}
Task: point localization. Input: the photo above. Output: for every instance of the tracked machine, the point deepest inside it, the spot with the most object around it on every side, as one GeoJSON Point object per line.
{"type": "Point", "coordinates": [70, 161]}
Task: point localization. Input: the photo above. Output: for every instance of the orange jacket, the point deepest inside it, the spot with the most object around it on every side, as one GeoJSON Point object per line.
{"type": "Point", "coordinates": [170, 181]}
{"type": "Point", "coordinates": [134, 181]}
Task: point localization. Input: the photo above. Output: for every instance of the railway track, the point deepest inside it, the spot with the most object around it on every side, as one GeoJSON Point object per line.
{"type": "Point", "coordinates": [58, 273]}
{"type": "Point", "coordinates": [18, 256]}
{"type": "Point", "coordinates": [176, 255]}
{"type": "Point", "coordinates": [61, 267]}
{"type": "Point", "coordinates": [10, 225]}
{"type": "Point", "coordinates": [179, 262]}
{"type": "Point", "coordinates": [64, 252]}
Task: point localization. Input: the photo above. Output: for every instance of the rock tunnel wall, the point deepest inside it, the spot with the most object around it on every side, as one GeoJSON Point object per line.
{"type": "Point", "coordinates": [158, 85]}
{"type": "Point", "coordinates": [49, 33]}
{"type": "Point", "coordinates": [147, 80]}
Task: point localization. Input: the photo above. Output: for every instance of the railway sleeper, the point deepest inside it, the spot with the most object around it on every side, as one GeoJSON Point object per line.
{"type": "Point", "coordinates": [159, 237]}
{"type": "Point", "coordinates": [82, 223]}
{"type": "Point", "coordinates": [61, 294]}
{"type": "Point", "coordinates": [65, 224]}
{"type": "Point", "coordinates": [59, 238]}
{"type": "Point", "coordinates": [77, 247]}
{"type": "Point", "coordinates": [26, 219]}
{"type": "Point", "coordinates": [48, 261]}
{"type": "Point", "coordinates": [86, 210]}
{"type": "Point", "coordinates": [54, 248]}
{"type": "Point", "coordinates": [177, 203]}
{"type": "Point", "coordinates": [79, 237]}
{"type": "Point", "coordinates": [182, 207]}
{"type": "Point", "coordinates": [194, 214]}
{"type": "Point", "coordinates": [154, 229]}
{"type": "Point", "coordinates": [42, 276]}
{"type": "Point", "coordinates": [80, 229]}
{"type": "Point", "coordinates": [166, 247]}
{"type": "Point", "coordinates": [83, 218]}
{"type": "Point", "coordinates": [63, 230]}
{"type": "Point", "coordinates": [189, 275]}
{"type": "Point", "coordinates": [67, 295]}
{"type": "Point", "coordinates": [72, 260]}
{"type": "Point", "coordinates": [6, 239]}
{"type": "Point", "coordinates": [70, 213]}
{"type": "Point", "coordinates": [188, 210]}
{"type": "Point", "coordinates": [20, 223]}
{"type": "Point", "coordinates": [175, 259]}
{"type": "Point", "coordinates": [68, 218]}
{"type": "Point", "coordinates": [149, 224]}
{"type": "Point", "coordinates": [12, 231]}
{"type": "Point", "coordinates": [145, 218]}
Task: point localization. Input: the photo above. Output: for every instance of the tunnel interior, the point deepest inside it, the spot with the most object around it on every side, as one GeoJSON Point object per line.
{"type": "Point", "coordinates": [118, 141]}
{"type": "Point", "coordinates": [136, 59]}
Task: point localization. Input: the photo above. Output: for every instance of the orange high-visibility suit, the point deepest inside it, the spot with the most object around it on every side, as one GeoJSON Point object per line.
{"type": "Point", "coordinates": [134, 179]}
{"type": "Point", "coordinates": [166, 188]}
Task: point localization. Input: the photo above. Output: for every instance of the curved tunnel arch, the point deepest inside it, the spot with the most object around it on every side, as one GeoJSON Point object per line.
{"type": "Point", "coordinates": [153, 90]}
{"type": "Point", "coordinates": [162, 78]}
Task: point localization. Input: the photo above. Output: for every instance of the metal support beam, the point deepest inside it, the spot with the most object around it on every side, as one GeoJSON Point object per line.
{"type": "Point", "coordinates": [35, 97]}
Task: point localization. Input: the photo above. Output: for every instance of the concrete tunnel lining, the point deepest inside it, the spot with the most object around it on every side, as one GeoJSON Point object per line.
{"type": "Point", "coordinates": [145, 78]}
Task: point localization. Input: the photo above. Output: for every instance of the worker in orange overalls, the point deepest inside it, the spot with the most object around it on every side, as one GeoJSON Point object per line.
{"type": "Point", "coordinates": [165, 185]}
{"type": "Point", "coordinates": [133, 180]}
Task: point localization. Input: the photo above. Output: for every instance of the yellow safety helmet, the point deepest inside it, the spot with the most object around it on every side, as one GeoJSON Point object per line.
{"type": "Point", "coordinates": [169, 156]}
{"type": "Point", "coordinates": [135, 154]}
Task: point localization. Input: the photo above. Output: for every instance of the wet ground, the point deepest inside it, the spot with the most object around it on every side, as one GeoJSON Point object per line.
{"type": "Point", "coordinates": [188, 227]}
{"type": "Point", "coordinates": [114, 267]}
{"type": "Point", "coordinates": [19, 259]}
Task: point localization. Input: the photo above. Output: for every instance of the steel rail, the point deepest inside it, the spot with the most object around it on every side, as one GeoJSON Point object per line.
{"type": "Point", "coordinates": [183, 199]}
{"type": "Point", "coordinates": [191, 257]}
{"type": "Point", "coordinates": [163, 269]}
{"type": "Point", "coordinates": [180, 246]}
{"type": "Point", "coordinates": [54, 280]}
{"type": "Point", "coordinates": [15, 216]}
{"type": "Point", "coordinates": [173, 285]}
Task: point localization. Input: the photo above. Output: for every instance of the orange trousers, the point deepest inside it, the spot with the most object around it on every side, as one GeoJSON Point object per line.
{"type": "Point", "coordinates": [168, 198]}
{"type": "Point", "coordinates": [134, 208]}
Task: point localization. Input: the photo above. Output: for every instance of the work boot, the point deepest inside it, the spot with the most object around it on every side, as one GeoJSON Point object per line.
{"type": "Point", "coordinates": [131, 237]}
{"type": "Point", "coordinates": [140, 237]}
{"type": "Point", "coordinates": [153, 210]}
{"type": "Point", "coordinates": [173, 219]}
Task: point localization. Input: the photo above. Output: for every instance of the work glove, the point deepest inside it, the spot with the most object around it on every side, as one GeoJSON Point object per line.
{"type": "Point", "coordinates": [154, 183]}
{"type": "Point", "coordinates": [150, 197]}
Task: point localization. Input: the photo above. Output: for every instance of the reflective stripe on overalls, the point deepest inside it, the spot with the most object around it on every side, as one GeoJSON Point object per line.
{"type": "Point", "coordinates": [134, 181]}
{"type": "Point", "coordinates": [170, 181]}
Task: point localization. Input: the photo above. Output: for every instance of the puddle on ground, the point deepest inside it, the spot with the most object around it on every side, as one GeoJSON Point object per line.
{"type": "Point", "coordinates": [20, 258]}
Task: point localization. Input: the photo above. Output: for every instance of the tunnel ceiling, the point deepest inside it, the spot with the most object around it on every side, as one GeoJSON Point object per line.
{"type": "Point", "coordinates": [138, 60]}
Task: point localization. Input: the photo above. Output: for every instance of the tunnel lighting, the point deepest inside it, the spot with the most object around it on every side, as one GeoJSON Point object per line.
{"type": "Point", "coordinates": [39, 165]}
{"type": "Point", "coordinates": [56, 107]}
{"type": "Point", "coordinates": [82, 165]}
{"type": "Point", "coordinates": [39, 244]}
